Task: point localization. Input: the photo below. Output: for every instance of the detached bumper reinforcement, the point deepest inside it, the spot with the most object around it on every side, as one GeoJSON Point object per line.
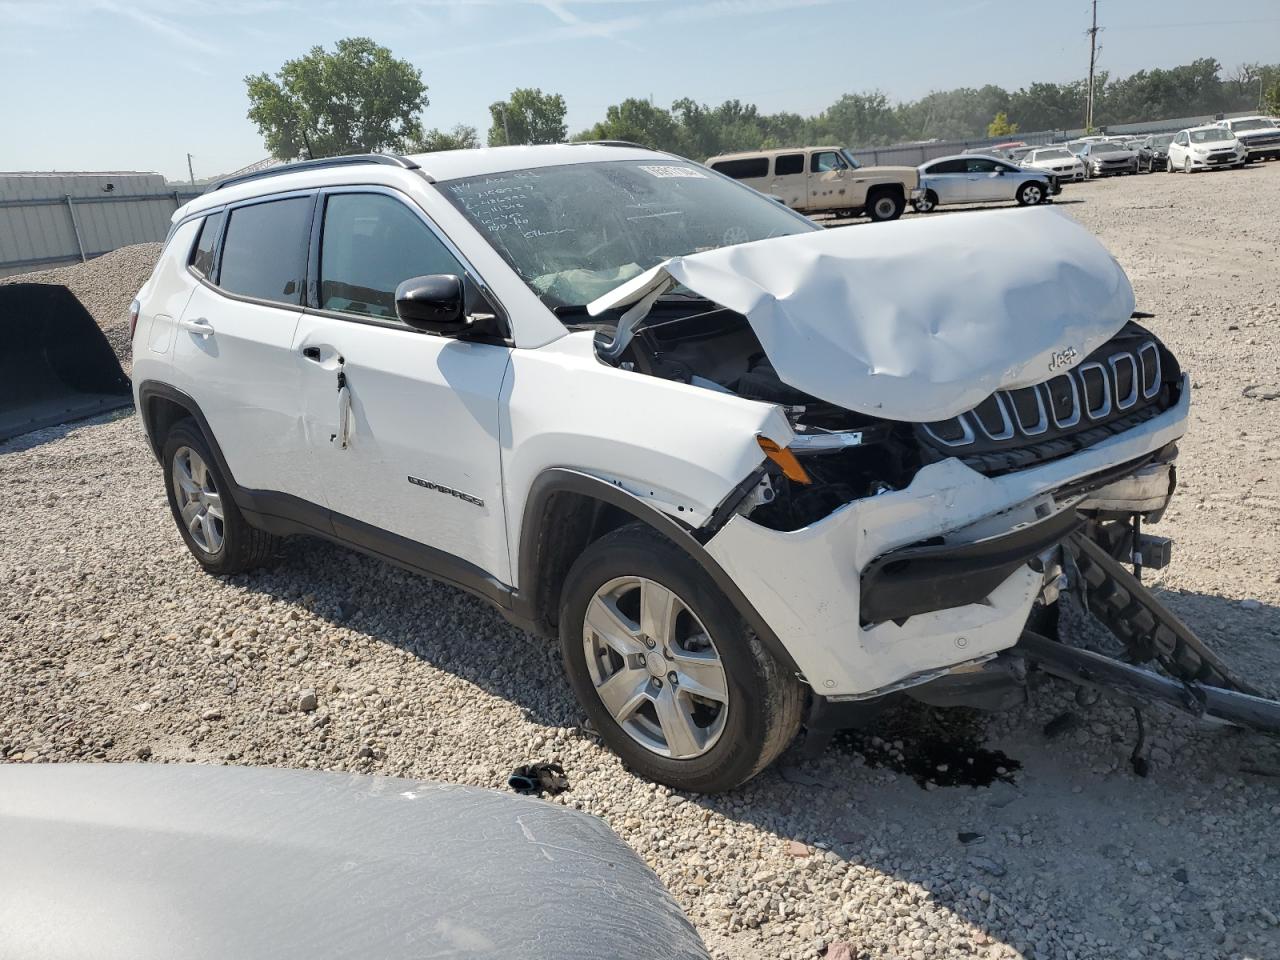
{"type": "Point", "coordinates": [1094, 670]}
{"type": "Point", "coordinates": [914, 580]}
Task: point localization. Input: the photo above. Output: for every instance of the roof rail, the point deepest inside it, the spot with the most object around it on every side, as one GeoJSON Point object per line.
{"type": "Point", "coordinates": [612, 143]}
{"type": "Point", "coordinates": [298, 166]}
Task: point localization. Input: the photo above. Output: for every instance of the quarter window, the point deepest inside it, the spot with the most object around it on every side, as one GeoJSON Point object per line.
{"type": "Point", "coordinates": [748, 168]}
{"type": "Point", "coordinates": [202, 254]}
{"type": "Point", "coordinates": [371, 244]}
{"type": "Point", "coordinates": [788, 164]}
{"type": "Point", "coordinates": [826, 161]}
{"type": "Point", "coordinates": [265, 252]}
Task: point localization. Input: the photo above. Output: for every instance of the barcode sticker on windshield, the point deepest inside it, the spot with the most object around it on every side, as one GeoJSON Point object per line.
{"type": "Point", "coordinates": [668, 170]}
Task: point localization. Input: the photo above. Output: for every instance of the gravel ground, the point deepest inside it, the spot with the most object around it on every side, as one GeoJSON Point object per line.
{"type": "Point", "coordinates": [105, 285]}
{"type": "Point", "coordinates": [114, 646]}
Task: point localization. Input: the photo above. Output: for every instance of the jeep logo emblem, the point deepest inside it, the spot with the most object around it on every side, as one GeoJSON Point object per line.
{"type": "Point", "coordinates": [1061, 358]}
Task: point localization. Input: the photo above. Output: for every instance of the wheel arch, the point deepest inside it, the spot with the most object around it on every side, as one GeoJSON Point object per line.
{"type": "Point", "coordinates": [565, 511]}
{"type": "Point", "coordinates": [161, 405]}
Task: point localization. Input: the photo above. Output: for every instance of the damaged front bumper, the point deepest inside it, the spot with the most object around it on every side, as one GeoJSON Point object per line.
{"type": "Point", "coordinates": [808, 584]}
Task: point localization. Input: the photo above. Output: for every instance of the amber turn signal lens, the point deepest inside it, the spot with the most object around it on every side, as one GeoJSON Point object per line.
{"type": "Point", "coordinates": [785, 459]}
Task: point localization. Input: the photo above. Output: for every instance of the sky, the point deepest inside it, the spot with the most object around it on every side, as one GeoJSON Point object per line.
{"type": "Point", "coordinates": [120, 85]}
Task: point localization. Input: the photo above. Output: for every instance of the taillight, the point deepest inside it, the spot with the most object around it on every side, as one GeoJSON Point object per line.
{"type": "Point", "coordinates": [133, 317]}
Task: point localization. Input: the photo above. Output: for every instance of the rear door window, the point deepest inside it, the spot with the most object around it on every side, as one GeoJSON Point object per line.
{"type": "Point", "coordinates": [748, 168]}
{"type": "Point", "coordinates": [371, 243]}
{"type": "Point", "coordinates": [202, 254]}
{"type": "Point", "coordinates": [264, 254]}
{"type": "Point", "coordinates": [788, 164]}
{"type": "Point", "coordinates": [947, 166]}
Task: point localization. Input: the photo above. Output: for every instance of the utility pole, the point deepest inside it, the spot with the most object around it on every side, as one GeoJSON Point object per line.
{"type": "Point", "coordinates": [190, 172]}
{"type": "Point", "coordinates": [506, 130]}
{"type": "Point", "coordinates": [1093, 59]}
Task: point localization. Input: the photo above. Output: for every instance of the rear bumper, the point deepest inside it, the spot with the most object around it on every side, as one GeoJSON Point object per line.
{"type": "Point", "coordinates": [807, 585]}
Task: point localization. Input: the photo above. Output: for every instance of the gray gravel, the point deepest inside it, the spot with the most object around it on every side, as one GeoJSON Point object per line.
{"type": "Point", "coordinates": [105, 285]}
{"type": "Point", "coordinates": [114, 646]}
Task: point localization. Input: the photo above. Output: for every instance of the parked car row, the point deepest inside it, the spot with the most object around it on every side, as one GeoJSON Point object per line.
{"type": "Point", "coordinates": [830, 180]}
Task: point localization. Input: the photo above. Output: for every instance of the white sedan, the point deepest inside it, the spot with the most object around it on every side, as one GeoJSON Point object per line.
{"type": "Point", "coordinates": [1205, 148]}
{"type": "Point", "coordinates": [977, 179]}
{"type": "Point", "coordinates": [1059, 161]}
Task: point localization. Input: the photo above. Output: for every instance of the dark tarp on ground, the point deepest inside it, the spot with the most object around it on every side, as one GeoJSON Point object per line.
{"type": "Point", "coordinates": [55, 364]}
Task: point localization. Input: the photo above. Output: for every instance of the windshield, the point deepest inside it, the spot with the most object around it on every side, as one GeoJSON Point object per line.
{"type": "Point", "coordinates": [1216, 135]}
{"type": "Point", "coordinates": [1163, 140]}
{"type": "Point", "coordinates": [1055, 155]}
{"type": "Point", "coordinates": [1249, 125]}
{"type": "Point", "coordinates": [853, 163]}
{"type": "Point", "coordinates": [1106, 148]}
{"type": "Point", "coordinates": [575, 232]}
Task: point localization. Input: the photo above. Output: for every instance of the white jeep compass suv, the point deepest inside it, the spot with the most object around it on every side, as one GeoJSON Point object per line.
{"type": "Point", "coordinates": [740, 465]}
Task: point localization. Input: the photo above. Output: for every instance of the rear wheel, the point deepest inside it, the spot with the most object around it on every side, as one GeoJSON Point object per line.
{"type": "Point", "coordinates": [676, 683]}
{"type": "Point", "coordinates": [1030, 194]}
{"type": "Point", "coordinates": [885, 205]}
{"type": "Point", "coordinates": [207, 517]}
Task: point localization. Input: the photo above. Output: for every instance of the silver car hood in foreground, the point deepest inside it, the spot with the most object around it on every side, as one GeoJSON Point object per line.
{"type": "Point", "coordinates": [915, 320]}
{"type": "Point", "coordinates": [109, 861]}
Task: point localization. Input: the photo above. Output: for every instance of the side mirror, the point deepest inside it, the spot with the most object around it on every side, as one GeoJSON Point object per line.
{"type": "Point", "coordinates": [433, 304]}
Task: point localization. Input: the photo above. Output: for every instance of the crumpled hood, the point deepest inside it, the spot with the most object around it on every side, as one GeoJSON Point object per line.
{"type": "Point", "coordinates": [914, 320]}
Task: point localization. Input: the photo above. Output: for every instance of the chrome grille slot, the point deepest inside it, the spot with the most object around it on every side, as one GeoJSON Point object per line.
{"type": "Point", "coordinates": [991, 411]}
{"type": "Point", "coordinates": [1150, 360]}
{"type": "Point", "coordinates": [1124, 371]}
{"type": "Point", "coordinates": [1097, 390]}
{"type": "Point", "coordinates": [1064, 400]}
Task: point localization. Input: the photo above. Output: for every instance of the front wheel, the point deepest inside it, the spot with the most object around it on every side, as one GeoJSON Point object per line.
{"type": "Point", "coordinates": [676, 683]}
{"type": "Point", "coordinates": [927, 203]}
{"type": "Point", "coordinates": [1030, 194]}
{"type": "Point", "coordinates": [1186, 165]}
{"type": "Point", "coordinates": [885, 206]}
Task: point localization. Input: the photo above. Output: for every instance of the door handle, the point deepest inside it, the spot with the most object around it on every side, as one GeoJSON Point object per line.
{"type": "Point", "coordinates": [343, 436]}
{"type": "Point", "coordinates": [199, 326]}
{"type": "Point", "coordinates": [311, 353]}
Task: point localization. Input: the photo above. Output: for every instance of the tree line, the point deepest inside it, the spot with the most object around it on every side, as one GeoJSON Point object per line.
{"type": "Point", "coordinates": [360, 99]}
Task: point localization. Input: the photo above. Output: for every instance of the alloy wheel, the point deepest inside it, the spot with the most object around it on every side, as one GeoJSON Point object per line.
{"type": "Point", "coordinates": [199, 502]}
{"type": "Point", "coordinates": [1032, 194]}
{"type": "Point", "coordinates": [655, 667]}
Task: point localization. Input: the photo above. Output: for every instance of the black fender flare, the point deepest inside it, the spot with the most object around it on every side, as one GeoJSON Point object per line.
{"type": "Point", "coordinates": [150, 390]}
{"type": "Point", "coordinates": [555, 480]}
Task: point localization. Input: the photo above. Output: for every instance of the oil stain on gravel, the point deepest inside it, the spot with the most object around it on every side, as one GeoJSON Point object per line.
{"type": "Point", "coordinates": [933, 748]}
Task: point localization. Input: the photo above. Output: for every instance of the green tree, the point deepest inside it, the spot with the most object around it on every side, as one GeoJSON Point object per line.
{"type": "Point", "coordinates": [461, 137]}
{"type": "Point", "coordinates": [1001, 127]}
{"type": "Point", "coordinates": [358, 99]}
{"type": "Point", "coordinates": [858, 119]}
{"type": "Point", "coordinates": [1271, 100]}
{"type": "Point", "coordinates": [528, 116]}
{"type": "Point", "coordinates": [637, 121]}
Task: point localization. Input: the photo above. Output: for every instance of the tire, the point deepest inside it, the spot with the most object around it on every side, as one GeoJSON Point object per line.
{"type": "Point", "coordinates": [224, 544]}
{"type": "Point", "coordinates": [885, 205]}
{"type": "Point", "coordinates": [926, 204]}
{"type": "Point", "coordinates": [1186, 165]}
{"type": "Point", "coordinates": [1031, 194]}
{"type": "Point", "coordinates": [1168, 165]}
{"type": "Point", "coordinates": [724, 744]}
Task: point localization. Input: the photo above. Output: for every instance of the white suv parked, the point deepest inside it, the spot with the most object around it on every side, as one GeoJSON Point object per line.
{"type": "Point", "coordinates": [737, 463]}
